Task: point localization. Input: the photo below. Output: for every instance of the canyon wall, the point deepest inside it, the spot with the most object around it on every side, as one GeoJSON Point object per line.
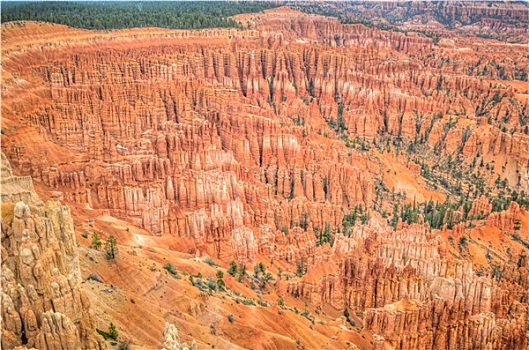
{"type": "Point", "coordinates": [42, 305]}
{"type": "Point", "coordinates": [254, 145]}
{"type": "Point", "coordinates": [159, 146]}
{"type": "Point", "coordinates": [415, 297]}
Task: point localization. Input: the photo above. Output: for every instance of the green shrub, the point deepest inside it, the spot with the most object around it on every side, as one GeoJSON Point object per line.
{"type": "Point", "coordinates": [172, 270]}
{"type": "Point", "coordinates": [210, 262]}
{"type": "Point", "coordinates": [262, 303]}
{"type": "Point", "coordinates": [102, 333]}
{"type": "Point", "coordinates": [112, 331]}
{"type": "Point", "coordinates": [111, 334]}
{"type": "Point", "coordinates": [516, 237]}
{"type": "Point", "coordinates": [463, 243]}
{"type": "Point", "coordinates": [348, 318]}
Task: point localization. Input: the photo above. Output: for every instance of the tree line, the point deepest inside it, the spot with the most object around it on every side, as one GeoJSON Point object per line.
{"type": "Point", "coordinates": [118, 15]}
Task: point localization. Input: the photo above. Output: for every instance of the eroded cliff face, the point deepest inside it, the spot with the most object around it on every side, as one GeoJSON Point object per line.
{"type": "Point", "coordinates": [161, 147]}
{"type": "Point", "coordinates": [42, 305]}
{"type": "Point", "coordinates": [499, 20]}
{"type": "Point", "coordinates": [414, 296]}
{"type": "Point", "coordinates": [158, 145]}
{"type": "Point", "coordinates": [253, 146]}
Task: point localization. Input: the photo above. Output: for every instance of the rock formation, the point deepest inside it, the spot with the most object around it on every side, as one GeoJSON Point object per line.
{"type": "Point", "coordinates": [42, 305]}
{"type": "Point", "coordinates": [172, 340]}
{"type": "Point", "coordinates": [480, 207]}
{"type": "Point", "coordinates": [498, 20]}
{"type": "Point", "coordinates": [505, 220]}
{"type": "Point", "coordinates": [412, 295]}
{"type": "Point", "coordinates": [258, 145]}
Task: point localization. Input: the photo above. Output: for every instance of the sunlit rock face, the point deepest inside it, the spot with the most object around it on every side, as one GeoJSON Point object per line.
{"type": "Point", "coordinates": [42, 305]}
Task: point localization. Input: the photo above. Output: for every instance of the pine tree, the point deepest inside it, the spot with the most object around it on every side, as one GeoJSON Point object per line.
{"type": "Point", "coordinates": [327, 237]}
{"type": "Point", "coordinates": [232, 270]}
{"type": "Point", "coordinates": [220, 280]}
{"type": "Point", "coordinates": [262, 268]}
{"type": "Point", "coordinates": [242, 272]}
{"type": "Point", "coordinates": [96, 241]}
{"type": "Point", "coordinates": [111, 248]}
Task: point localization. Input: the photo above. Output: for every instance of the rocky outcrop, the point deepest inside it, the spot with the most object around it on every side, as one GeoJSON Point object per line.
{"type": "Point", "coordinates": [499, 20]}
{"type": "Point", "coordinates": [410, 325]}
{"type": "Point", "coordinates": [412, 294]}
{"type": "Point", "coordinates": [506, 220]}
{"type": "Point", "coordinates": [481, 207]}
{"type": "Point", "coordinates": [42, 305]}
{"type": "Point", "coordinates": [172, 339]}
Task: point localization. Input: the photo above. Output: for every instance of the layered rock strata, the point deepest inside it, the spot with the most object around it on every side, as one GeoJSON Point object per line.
{"type": "Point", "coordinates": [42, 305]}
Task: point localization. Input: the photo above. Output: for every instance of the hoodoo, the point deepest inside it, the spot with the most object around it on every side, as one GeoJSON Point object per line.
{"type": "Point", "coordinates": [307, 176]}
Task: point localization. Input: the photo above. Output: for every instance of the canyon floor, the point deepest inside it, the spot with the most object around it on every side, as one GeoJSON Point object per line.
{"type": "Point", "coordinates": [372, 183]}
